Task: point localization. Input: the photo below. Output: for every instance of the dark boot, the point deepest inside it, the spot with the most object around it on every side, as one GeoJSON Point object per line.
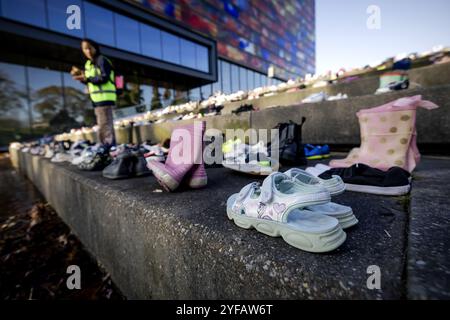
{"type": "Point", "coordinates": [121, 167]}
{"type": "Point", "coordinates": [140, 165]}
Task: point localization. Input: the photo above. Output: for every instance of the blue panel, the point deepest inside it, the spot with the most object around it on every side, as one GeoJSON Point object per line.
{"type": "Point", "coordinates": [26, 11]}
{"type": "Point", "coordinates": [99, 24]}
{"type": "Point", "coordinates": [202, 58]}
{"type": "Point", "coordinates": [151, 41]}
{"type": "Point", "coordinates": [171, 48]}
{"type": "Point", "coordinates": [234, 78]}
{"type": "Point", "coordinates": [226, 77]}
{"type": "Point", "coordinates": [58, 16]}
{"type": "Point", "coordinates": [127, 33]}
{"type": "Point", "coordinates": [243, 79]}
{"type": "Point", "coordinates": [188, 54]}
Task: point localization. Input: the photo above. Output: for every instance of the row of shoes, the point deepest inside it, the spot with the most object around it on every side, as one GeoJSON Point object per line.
{"type": "Point", "coordinates": [322, 96]}
{"type": "Point", "coordinates": [244, 108]}
{"type": "Point", "coordinates": [131, 161]}
{"type": "Point", "coordinates": [438, 54]}
{"type": "Point", "coordinates": [117, 162]}
{"type": "Point", "coordinates": [296, 206]}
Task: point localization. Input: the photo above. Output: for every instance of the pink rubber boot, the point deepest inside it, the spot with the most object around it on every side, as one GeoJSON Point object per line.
{"type": "Point", "coordinates": [196, 177]}
{"type": "Point", "coordinates": [185, 153]}
{"type": "Point", "coordinates": [388, 135]}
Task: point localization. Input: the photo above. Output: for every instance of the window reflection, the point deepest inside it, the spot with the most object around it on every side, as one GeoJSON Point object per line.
{"type": "Point", "coordinates": [226, 77]}
{"type": "Point", "coordinates": [147, 95]}
{"type": "Point", "coordinates": [202, 58]}
{"type": "Point", "coordinates": [234, 78]}
{"type": "Point", "coordinates": [77, 102]}
{"type": "Point", "coordinates": [108, 28]}
{"type": "Point", "coordinates": [151, 41]}
{"type": "Point", "coordinates": [251, 79]}
{"type": "Point", "coordinates": [13, 96]}
{"type": "Point", "coordinates": [188, 53]}
{"type": "Point", "coordinates": [194, 94]}
{"type": "Point", "coordinates": [206, 91]}
{"type": "Point", "coordinates": [47, 98]}
{"type": "Point", "coordinates": [171, 48]}
{"type": "Point", "coordinates": [243, 79]}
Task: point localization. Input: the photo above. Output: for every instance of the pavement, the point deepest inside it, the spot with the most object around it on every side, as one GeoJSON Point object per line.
{"type": "Point", "coordinates": [181, 245]}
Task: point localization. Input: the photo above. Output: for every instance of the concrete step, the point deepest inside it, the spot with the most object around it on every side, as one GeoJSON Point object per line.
{"type": "Point", "coordinates": [182, 246]}
{"type": "Point", "coordinates": [328, 122]}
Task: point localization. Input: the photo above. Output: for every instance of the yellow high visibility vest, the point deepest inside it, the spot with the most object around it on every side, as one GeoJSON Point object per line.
{"type": "Point", "coordinates": [100, 92]}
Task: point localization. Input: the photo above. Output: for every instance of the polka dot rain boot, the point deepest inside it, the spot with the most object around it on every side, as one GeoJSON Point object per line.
{"type": "Point", "coordinates": [388, 136]}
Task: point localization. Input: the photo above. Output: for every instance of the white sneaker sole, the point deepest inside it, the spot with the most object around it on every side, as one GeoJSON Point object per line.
{"type": "Point", "coordinates": [385, 191]}
{"type": "Point", "coordinates": [311, 242]}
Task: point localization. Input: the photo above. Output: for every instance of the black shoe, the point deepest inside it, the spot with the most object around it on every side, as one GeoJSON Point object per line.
{"type": "Point", "coordinates": [243, 108]}
{"type": "Point", "coordinates": [97, 161]}
{"type": "Point", "coordinates": [140, 165]}
{"type": "Point", "coordinates": [362, 178]}
{"type": "Point", "coordinates": [121, 167]}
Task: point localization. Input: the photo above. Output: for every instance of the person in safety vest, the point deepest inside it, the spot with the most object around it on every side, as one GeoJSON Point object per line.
{"type": "Point", "coordinates": [98, 75]}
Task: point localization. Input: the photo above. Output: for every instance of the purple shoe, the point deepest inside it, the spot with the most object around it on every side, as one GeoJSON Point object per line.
{"type": "Point", "coordinates": [185, 156]}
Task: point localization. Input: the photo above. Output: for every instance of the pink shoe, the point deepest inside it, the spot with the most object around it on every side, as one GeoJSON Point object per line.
{"type": "Point", "coordinates": [388, 135]}
{"type": "Point", "coordinates": [185, 157]}
{"type": "Point", "coordinates": [196, 177]}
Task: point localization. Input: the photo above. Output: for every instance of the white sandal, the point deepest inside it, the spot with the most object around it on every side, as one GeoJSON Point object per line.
{"type": "Point", "coordinates": [335, 186]}
{"type": "Point", "coordinates": [277, 209]}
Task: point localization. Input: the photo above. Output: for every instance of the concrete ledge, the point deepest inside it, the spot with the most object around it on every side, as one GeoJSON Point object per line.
{"type": "Point", "coordinates": [332, 122]}
{"type": "Point", "coordinates": [425, 77]}
{"type": "Point", "coordinates": [335, 122]}
{"type": "Point", "coordinates": [428, 264]}
{"type": "Point", "coordinates": [182, 246]}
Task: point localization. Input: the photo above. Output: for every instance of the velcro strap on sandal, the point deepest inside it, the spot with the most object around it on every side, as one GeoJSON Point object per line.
{"type": "Point", "coordinates": [245, 191]}
{"type": "Point", "coordinates": [267, 189]}
{"type": "Point", "coordinates": [268, 186]}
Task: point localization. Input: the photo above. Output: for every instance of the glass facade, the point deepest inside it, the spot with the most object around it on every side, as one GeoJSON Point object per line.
{"type": "Point", "coordinates": [57, 16]}
{"type": "Point", "coordinates": [232, 78]}
{"type": "Point", "coordinates": [151, 44]}
{"type": "Point", "coordinates": [35, 101]}
{"type": "Point", "coordinates": [255, 33]}
{"type": "Point", "coordinates": [111, 29]}
{"type": "Point", "coordinates": [127, 33]}
{"type": "Point", "coordinates": [38, 95]}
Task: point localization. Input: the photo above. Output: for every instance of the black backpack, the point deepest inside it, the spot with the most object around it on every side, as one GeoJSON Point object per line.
{"type": "Point", "coordinates": [291, 149]}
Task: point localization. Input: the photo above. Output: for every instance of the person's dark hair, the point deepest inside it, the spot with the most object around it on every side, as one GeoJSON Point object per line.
{"type": "Point", "coordinates": [94, 44]}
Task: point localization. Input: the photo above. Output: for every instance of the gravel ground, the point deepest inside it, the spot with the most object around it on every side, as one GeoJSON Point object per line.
{"type": "Point", "coordinates": [36, 247]}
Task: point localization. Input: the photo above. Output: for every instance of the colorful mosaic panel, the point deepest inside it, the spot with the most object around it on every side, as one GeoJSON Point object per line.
{"type": "Point", "coordinates": [255, 33]}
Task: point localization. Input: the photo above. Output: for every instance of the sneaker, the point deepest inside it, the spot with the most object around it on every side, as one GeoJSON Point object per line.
{"type": "Point", "coordinates": [244, 108]}
{"type": "Point", "coordinates": [96, 160]}
{"type": "Point", "coordinates": [315, 97]}
{"type": "Point", "coordinates": [121, 167]}
{"type": "Point", "coordinates": [317, 152]}
{"type": "Point", "coordinates": [239, 149]}
{"type": "Point", "coordinates": [61, 157]}
{"type": "Point", "coordinates": [254, 164]}
{"type": "Point", "coordinates": [362, 178]}
{"type": "Point", "coordinates": [339, 96]}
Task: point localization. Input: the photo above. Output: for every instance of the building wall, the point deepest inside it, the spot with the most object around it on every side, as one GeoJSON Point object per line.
{"type": "Point", "coordinates": [256, 33]}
